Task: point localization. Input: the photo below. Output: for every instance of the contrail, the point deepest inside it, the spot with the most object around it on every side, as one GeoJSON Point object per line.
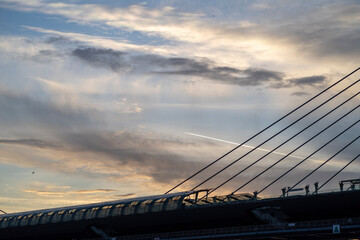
{"type": "Point", "coordinates": [248, 146]}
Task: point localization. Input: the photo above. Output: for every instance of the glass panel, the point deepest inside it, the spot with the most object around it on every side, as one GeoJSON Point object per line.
{"type": "Point", "coordinates": [91, 213]}
{"type": "Point", "coordinates": [46, 218]}
{"type": "Point", "coordinates": [117, 210]}
{"type": "Point", "coordinates": [25, 220]}
{"type": "Point", "coordinates": [158, 205]}
{"type": "Point", "coordinates": [130, 209]}
{"type": "Point", "coordinates": [144, 206]}
{"type": "Point", "coordinates": [68, 215]}
{"type": "Point", "coordinates": [79, 215]}
{"type": "Point", "coordinates": [173, 203]}
{"type": "Point", "coordinates": [5, 222]}
{"type": "Point", "coordinates": [57, 216]}
{"type": "Point", "coordinates": [35, 219]}
{"type": "Point", "coordinates": [105, 211]}
{"type": "Point", "coordinates": [15, 221]}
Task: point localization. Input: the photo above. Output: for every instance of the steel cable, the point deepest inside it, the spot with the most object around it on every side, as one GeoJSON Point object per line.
{"type": "Point", "coordinates": [238, 159]}
{"type": "Point", "coordinates": [339, 171]}
{"type": "Point", "coordinates": [258, 160]}
{"type": "Point", "coordinates": [257, 134]}
{"type": "Point", "coordinates": [326, 161]}
{"type": "Point", "coordinates": [292, 168]}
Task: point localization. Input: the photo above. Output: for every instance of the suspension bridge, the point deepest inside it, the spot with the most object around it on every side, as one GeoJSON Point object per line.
{"type": "Point", "coordinates": [329, 127]}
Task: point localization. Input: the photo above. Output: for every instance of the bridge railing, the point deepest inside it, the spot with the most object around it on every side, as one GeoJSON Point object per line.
{"type": "Point", "coordinates": [248, 230]}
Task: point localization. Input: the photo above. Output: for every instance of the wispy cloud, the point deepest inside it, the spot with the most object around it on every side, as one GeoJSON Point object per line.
{"type": "Point", "coordinates": [27, 142]}
{"type": "Point", "coordinates": [154, 158]}
{"type": "Point", "coordinates": [62, 193]}
{"type": "Point", "coordinates": [127, 61]}
{"type": "Point", "coordinates": [305, 39]}
{"type": "Point", "coordinates": [72, 102]}
{"type": "Point", "coordinates": [20, 109]}
{"type": "Point", "coordinates": [102, 57]}
{"type": "Point", "coordinates": [313, 81]}
{"type": "Point", "coordinates": [204, 68]}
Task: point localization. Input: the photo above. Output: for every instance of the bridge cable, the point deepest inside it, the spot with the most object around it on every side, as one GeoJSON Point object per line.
{"type": "Point", "coordinates": [339, 171]}
{"type": "Point", "coordinates": [325, 161]}
{"type": "Point", "coordinates": [302, 161]}
{"type": "Point", "coordinates": [257, 134]}
{"type": "Point", "coordinates": [289, 154]}
{"type": "Point", "coordinates": [285, 143]}
{"type": "Point", "coordinates": [314, 109]}
{"type": "Point", "coordinates": [291, 151]}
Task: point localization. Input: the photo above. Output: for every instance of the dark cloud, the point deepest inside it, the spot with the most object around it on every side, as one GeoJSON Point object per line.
{"type": "Point", "coordinates": [155, 157]}
{"type": "Point", "coordinates": [300, 94]}
{"type": "Point", "coordinates": [46, 56]}
{"type": "Point", "coordinates": [71, 130]}
{"type": "Point", "coordinates": [57, 39]}
{"type": "Point", "coordinates": [313, 80]}
{"type": "Point", "coordinates": [129, 149]}
{"type": "Point", "coordinates": [228, 75]}
{"type": "Point", "coordinates": [22, 110]}
{"type": "Point", "coordinates": [102, 57]}
{"type": "Point", "coordinates": [155, 64]}
{"type": "Point", "coordinates": [27, 142]}
{"type": "Point", "coordinates": [151, 157]}
{"type": "Point", "coordinates": [325, 30]}
{"type": "Point", "coordinates": [126, 195]}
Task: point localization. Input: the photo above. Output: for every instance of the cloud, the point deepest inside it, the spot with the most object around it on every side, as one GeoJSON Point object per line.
{"type": "Point", "coordinates": [101, 57]}
{"type": "Point", "coordinates": [206, 69]}
{"type": "Point", "coordinates": [129, 156]}
{"type": "Point", "coordinates": [328, 30]}
{"type": "Point", "coordinates": [35, 195]}
{"type": "Point", "coordinates": [177, 46]}
{"type": "Point", "coordinates": [67, 192]}
{"type": "Point", "coordinates": [22, 110]}
{"type": "Point", "coordinates": [313, 81]}
{"type": "Point", "coordinates": [126, 195]}
{"type": "Point", "coordinates": [57, 40]}
{"type": "Point", "coordinates": [300, 94]}
{"type": "Point", "coordinates": [159, 159]}
{"type": "Point", "coordinates": [27, 142]}
{"type": "Point", "coordinates": [68, 139]}
{"type": "Point", "coordinates": [260, 6]}
{"type": "Point", "coordinates": [121, 61]}
{"type": "Point", "coordinates": [312, 36]}
{"type": "Point", "coordinates": [302, 35]}
{"type": "Point", "coordinates": [62, 133]}
{"type": "Point", "coordinates": [152, 156]}
{"type": "Point", "coordinates": [46, 56]}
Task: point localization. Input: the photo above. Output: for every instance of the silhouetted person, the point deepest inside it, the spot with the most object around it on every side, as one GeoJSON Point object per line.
{"type": "Point", "coordinates": [255, 194]}
{"type": "Point", "coordinates": [341, 186]}
{"type": "Point", "coordinates": [307, 189]}
{"type": "Point", "coordinates": [316, 187]}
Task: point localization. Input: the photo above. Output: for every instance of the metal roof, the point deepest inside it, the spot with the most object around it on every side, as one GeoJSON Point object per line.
{"type": "Point", "coordinates": [139, 205]}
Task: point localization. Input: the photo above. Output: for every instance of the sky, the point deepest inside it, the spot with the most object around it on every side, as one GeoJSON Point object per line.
{"type": "Point", "coordinates": [103, 100]}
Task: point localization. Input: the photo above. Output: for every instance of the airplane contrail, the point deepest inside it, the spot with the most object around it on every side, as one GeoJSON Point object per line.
{"type": "Point", "coordinates": [247, 146]}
